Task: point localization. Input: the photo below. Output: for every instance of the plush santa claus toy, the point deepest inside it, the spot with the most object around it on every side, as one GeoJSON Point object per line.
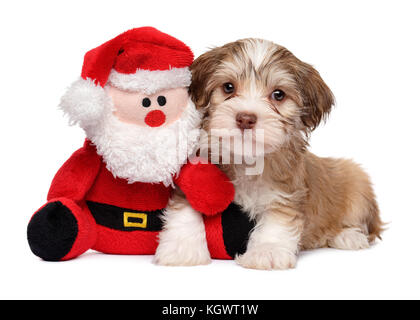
{"type": "Point", "coordinates": [132, 101]}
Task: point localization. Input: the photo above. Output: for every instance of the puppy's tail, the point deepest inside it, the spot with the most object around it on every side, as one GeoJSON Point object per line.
{"type": "Point", "coordinates": [375, 224]}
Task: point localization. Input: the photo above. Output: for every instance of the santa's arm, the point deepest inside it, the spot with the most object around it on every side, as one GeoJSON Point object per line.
{"type": "Point", "coordinates": [76, 176]}
{"type": "Point", "coordinates": [206, 187]}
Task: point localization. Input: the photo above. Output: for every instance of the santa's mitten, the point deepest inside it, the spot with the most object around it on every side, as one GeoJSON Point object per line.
{"type": "Point", "coordinates": [206, 187]}
{"type": "Point", "coordinates": [61, 230]}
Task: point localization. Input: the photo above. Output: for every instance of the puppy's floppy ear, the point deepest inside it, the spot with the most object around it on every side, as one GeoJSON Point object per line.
{"type": "Point", "coordinates": [202, 69]}
{"type": "Point", "coordinates": [317, 98]}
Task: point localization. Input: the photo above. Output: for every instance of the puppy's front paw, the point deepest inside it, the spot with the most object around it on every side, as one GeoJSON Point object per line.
{"type": "Point", "coordinates": [181, 254]}
{"type": "Point", "coordinates": [267, 257]}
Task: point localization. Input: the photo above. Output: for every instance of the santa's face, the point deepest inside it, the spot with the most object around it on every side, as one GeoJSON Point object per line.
{"type": "Point", "coordinates": [154, 110]}
{"type": "Point", "coordinates": [137, 145]}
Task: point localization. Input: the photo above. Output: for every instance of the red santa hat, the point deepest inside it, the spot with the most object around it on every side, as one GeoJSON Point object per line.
{"type": "Point", "coordinates": [142, 59]}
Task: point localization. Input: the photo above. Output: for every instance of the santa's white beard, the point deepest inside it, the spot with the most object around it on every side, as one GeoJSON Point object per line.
{"type": "Point", "coordinates": [143, 154]}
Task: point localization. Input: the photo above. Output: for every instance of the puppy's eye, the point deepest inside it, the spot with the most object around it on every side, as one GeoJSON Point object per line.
{"type": "Point", "coordinates": [228, 88]}
{"type": "Point", "coordinates": [278, 95]}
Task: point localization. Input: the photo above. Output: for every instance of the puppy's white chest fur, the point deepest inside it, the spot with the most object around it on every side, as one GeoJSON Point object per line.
{"type": "Point", "coordinates": [254, 194]}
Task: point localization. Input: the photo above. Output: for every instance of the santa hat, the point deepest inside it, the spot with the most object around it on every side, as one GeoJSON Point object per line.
{"type": "Point", "coordinates": [142, 59]}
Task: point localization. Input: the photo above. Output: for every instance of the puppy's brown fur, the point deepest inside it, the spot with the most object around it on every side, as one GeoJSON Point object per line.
{"type": "Point", "coordinates": [315, 202]}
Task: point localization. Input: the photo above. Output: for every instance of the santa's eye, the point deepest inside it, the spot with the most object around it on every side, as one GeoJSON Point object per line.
{"type": "Point", "coordinates": [146, 102]}
{"type": "Point", "coordinates": [161, 100]}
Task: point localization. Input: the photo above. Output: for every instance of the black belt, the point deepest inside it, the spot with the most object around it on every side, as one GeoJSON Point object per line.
{"type": "Point", "coordinates": [125, 219]}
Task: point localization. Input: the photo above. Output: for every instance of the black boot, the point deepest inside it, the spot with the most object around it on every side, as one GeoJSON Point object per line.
{"type": "Point", "coordinates": [52, 231]}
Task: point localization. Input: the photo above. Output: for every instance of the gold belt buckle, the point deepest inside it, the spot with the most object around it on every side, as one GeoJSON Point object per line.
{"type": "Point", "coordinates": [141, 216]}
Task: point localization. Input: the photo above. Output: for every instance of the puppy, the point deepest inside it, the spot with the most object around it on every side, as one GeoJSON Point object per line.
{"type": "Point", "coordinates": [299, 201]}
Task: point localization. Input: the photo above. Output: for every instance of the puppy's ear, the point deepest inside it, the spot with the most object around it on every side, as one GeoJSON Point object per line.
{"type": "Point", "coordinates": [202, 70]}
{"type": "Point", "coordinates": [317, 98]}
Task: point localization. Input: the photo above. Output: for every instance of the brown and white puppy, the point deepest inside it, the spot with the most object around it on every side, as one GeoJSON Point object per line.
{"type": "Point", "coordinates": [300, 201]}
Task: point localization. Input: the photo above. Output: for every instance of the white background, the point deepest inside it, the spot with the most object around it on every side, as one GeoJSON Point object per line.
{"type": "Point", "coordinates": [368, 53]}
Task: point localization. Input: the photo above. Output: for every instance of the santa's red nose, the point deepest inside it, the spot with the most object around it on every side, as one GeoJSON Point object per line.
{"type": "Point", "coordinates": [155, 118]}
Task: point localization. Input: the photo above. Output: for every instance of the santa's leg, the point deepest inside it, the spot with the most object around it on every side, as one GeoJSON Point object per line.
{"type": "Point", "coordinates": [182, 242]}
{"type": "Point", "coordinates": [228, 232]}
{"type": "Point", "coordinates": [61, 230]}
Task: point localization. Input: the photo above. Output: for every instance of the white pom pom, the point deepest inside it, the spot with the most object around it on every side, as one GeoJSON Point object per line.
{"type": "Point", "coordinates": [85, 103]}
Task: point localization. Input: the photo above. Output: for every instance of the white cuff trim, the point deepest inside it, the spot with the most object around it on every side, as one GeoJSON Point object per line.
{"type": "Point", "coordinates": [151, 81]}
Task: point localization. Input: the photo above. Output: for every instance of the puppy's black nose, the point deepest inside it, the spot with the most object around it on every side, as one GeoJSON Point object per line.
{"type": "Point", "coordinates": [246, 120]}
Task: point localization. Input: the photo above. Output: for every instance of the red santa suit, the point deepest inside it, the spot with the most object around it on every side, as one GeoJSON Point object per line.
{"type": "Point", "coordinates": [109, 215]}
